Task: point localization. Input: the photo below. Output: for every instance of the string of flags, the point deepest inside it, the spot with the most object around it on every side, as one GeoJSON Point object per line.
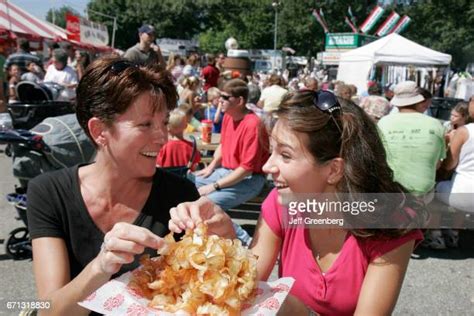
{"type": "Point", "coordinates": [394, 23]}
{"type": "Point", "coordinates": [320, 18]}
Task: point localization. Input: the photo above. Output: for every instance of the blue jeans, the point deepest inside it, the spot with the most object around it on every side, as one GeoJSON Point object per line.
{"type": "Point", "coordinates": [235, 195]}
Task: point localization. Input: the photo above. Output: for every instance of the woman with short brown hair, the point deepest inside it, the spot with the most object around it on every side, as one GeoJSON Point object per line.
{"type": "Point", "coordinates": [92, 221]}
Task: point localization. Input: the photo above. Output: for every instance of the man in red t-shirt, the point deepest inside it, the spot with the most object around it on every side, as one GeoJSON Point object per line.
{"type": "Point", "coordinates": [235, 174]}
{"type": "Point", "coordinates": [210, 73]}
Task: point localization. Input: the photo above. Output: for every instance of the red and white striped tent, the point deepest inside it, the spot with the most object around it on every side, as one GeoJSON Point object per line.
{"type": "Point", "coordinates": [17, 20]}
{"type": "Point", "coordinates": [14, 21]}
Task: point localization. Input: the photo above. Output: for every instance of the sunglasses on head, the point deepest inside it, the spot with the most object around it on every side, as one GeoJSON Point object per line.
{"type": "Point", "coordinates": [327, 102]}
{"type": "Point", "coordinates": [121, 65]}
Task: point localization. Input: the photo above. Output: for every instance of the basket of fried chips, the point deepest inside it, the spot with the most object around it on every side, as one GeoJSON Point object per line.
{"type": "Point", "coordinates": [200, 274]}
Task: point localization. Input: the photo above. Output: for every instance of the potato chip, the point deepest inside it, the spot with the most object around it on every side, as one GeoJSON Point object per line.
{"type": "Point", "coordinates": [200, 274]}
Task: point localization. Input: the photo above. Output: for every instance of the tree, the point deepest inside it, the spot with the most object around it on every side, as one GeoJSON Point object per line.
{"type": "Point", "coordinates": [173, 19]}
{"type": "Point", "coordinates": [249, 21]}
{"type": "Point", "coordinates": [300, 30]}
{"type": "Point", "coordinates": [445, 26]}
{"type": "Point", "coordinates": [60, 15]}
{"type": "Point", "coordinates": [442, 25]}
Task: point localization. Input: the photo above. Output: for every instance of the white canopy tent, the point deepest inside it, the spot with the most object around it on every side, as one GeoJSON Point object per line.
{"type": "Point", "coordinates": [394, 50]}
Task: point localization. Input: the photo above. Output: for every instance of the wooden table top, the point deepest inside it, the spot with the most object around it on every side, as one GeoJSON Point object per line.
{"type": "Point", "coordinates": [215, 141]}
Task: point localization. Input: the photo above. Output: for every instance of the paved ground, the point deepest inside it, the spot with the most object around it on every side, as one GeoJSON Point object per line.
{"type": "Point", "coordinates": [437, 283]}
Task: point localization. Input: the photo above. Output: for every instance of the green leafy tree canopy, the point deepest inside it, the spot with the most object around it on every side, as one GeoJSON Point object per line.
{"type": "Point", "coordinates": [442, 25]}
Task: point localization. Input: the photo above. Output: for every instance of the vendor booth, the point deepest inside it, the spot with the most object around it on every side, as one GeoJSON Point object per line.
{"type": "Point", "coordinates": [16, 22]}
{"type": "Point", "coordinates": [394, 53]}
{"type": "Point", "coordinates": [19, 21]}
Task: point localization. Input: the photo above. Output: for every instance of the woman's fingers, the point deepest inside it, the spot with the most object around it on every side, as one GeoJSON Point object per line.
{"type": "Point", "coordinates": [220, 224]}
{"type": "Point", "coordinates": [183, 213]}
{"type": "Point", "coordinates": [136, 234]}
{"type": "Point", "coordinates": [177, 224]}
{"type": "Point", "coordinates": [113, 260]}
{"type": "Point", "coordinates": [121, 245]}
{"type": "Point", "coordinates": [172, 226]}
{"type": "Point", "coordinates": [184, 216]}
{"type": "Point", "coordinates": [195, 212]}
{"type": "Point", "coordinates": [119, 257]}
{"type": "Point", "coordinates": [187, 215]}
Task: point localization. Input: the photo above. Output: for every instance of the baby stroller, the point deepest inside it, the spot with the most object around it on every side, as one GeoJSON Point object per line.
{"type": "Point", "coordinates": [57, 142]}
{"type": "Point", "coordinates": [37, 102]}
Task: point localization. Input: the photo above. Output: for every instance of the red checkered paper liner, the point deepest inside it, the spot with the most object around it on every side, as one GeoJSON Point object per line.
{"type": "Point", "coordinates": [116, 298]}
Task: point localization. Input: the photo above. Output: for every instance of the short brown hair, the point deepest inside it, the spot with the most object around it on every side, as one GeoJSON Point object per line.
{"type": "Point", "coordinates": [237, 88]}
{"type": "Point", "coordinates": [276, 79]}
{"type": "Point", "coordinates": [104, 94]}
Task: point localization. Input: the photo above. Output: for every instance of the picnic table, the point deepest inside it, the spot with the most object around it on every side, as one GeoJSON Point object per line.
{"type": "Point", "coordinates": [205, 147]}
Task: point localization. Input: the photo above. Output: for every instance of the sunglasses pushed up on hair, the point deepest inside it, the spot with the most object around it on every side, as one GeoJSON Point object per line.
{"type": "Point", "coordinates": [121, 65]}
{"type": "Point", "coordinates": [327, 102]}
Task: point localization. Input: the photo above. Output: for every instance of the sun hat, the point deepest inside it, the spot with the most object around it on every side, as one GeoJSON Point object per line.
{"type": "Point", "coordinates": [406, 93]}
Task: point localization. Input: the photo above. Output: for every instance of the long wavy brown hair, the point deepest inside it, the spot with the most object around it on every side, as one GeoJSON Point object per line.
{"type": "Point", "coordinates": [353, 136]}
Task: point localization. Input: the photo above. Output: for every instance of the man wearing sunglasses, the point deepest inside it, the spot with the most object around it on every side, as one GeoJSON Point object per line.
{"type": "Point", "coordinates": [235, 174]}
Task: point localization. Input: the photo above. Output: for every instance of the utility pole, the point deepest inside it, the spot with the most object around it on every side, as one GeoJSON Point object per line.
{"type": "Point", "coordinates": [275, 5]}
{"type": "Point", "coordinates": [53, 11]}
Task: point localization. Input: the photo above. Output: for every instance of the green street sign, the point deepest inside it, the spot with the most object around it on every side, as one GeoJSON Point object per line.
{"type": "Point", "coordinates": [347, 40]}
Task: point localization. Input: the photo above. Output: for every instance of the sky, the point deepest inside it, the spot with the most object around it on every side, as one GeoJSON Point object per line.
{"type": "Point", "coordinates": [39, 8]}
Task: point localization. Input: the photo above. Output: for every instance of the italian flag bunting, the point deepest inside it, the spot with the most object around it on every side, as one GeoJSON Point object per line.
{"type": "Point", "coordinates": [320, 18]}
{"type": "Point", "coordinates": [389, 24]}
{"type": "Point", "coordinates": [372, 19]}
{"type": "Point", "coordinates": [401, 25]}
{"type": "Point", "coordinates": [352, 26]}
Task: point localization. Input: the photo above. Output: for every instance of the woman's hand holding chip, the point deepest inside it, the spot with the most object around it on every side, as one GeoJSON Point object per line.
{"type": "Point", "coordinates": [187, 215]}
{"type": "Point", "coordinates": [122, 243]}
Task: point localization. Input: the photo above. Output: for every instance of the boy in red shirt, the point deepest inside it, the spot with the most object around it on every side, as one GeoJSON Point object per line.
{"type": "Point", "coordinates": [177, 151]}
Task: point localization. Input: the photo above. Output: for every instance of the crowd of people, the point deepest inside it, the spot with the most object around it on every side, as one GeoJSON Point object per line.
{"type": "Point", "coordinates": [299, 135]}
{"type": "Point", "coordinates": [64, 67]}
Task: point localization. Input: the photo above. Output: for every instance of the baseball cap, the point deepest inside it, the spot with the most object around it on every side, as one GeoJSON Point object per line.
{"type": "Point", "coordinates": [146, 28]}
{"type": "Point", "coordinates": [406, 93]}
